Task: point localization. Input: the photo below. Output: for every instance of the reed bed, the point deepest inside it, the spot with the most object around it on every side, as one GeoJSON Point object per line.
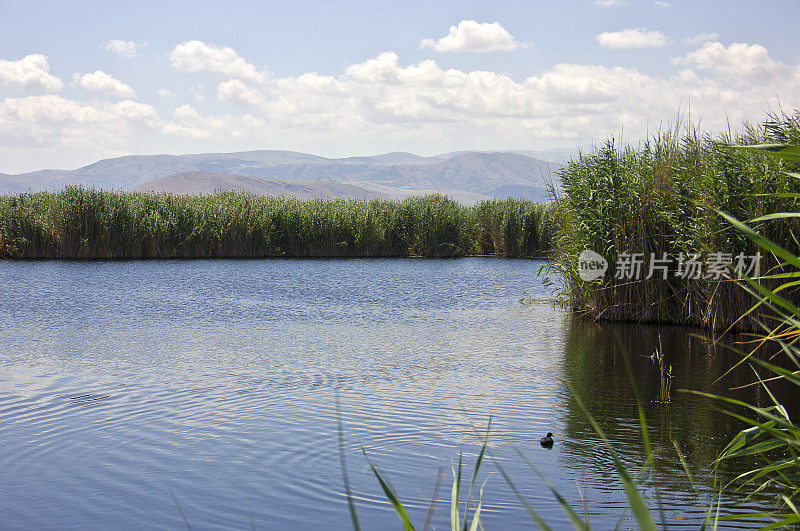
{"type": "Point", "coordinates": [662, 197]}
{"type": "Point", "coordinates": [79, 223]}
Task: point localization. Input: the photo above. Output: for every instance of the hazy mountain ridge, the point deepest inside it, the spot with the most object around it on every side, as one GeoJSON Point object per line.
{"type": "Point", "coordinates": [204, 182]}
{"type": "Point", "coordinates": [473, 173]}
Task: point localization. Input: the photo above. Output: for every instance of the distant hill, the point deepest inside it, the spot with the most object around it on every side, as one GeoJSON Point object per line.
{"type": "Point", "coordinates": [397, 157]}
{"type": "Point", "coordinates": [470, 174]}
{"type": "Point", "coordinates": [206, 182]}
{"type": "Point", "coordinates": [557, 156]}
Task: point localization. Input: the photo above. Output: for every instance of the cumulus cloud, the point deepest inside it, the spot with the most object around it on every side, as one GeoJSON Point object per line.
{"type": "Point", "coordinates": [700, 39]}
{"type": "Point", "coordinates": [632, 38]}
{"type": "Point", "coordinates": [380, 96]}
{"type": "Point", "coordinates": [236, 91]}
{"type": "Point", "coordinates": [98, 81]}
{"type": "Point", "coordinates": [32, 72]}
{"type": "Point", "coordinates": [472, 36]}
{"type": "Point", "coordinates": [739, 62]}
{"type": "Point", "coordinates": [164, 93]}
{"type": "Point", "coordinates": [189, 123]}
{"type": "Point", "coordinates": [418, 106]}
{"type": "Point", "coordinates": [382, 92]}
{"type": "Point", "coordinates": [196, 57]}
{"type": "Point", "coordinates": [50, 122]}
{"type": "Point", "coordinates": [127, 49]}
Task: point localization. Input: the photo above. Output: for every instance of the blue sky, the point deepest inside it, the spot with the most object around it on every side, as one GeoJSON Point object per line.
{"type": "Point", "coordinates": [87, 80]}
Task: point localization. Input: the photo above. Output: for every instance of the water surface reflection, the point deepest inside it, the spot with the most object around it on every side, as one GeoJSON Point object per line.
{"type": "Point", "coordinates": [123, 382]}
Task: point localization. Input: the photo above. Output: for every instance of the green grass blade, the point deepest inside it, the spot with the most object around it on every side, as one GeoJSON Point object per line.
{"type": "Point", "coordinates": [180, 510]}
{"type": "Point", "coordinates": [476, 516]}
{"type": "Point", "coordinates": [536, 518]}
{"type": "Point", "coordinates": [392, 497]}
{"type": "Point", "coordinates": [475, 472]}
{"type": "Point", "coordinates": [454, 493]}
{"type": "Point", "coordinates": [348, 492]}
{"type": "Point", "coordinates": [760, 240]}
{"type": "Point", "coordinates": [638, 507]}
{"type": "Point", "coordinates": [576, 520]}
{"type": "Point", "coordinates": [776, 215]}
{"type": "Point", "coordinates": [432, 504]}
{"type": "Point", "coordinates": [781, 151]}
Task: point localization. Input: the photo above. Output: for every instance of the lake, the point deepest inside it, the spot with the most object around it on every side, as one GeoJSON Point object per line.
{"type": "Point", "coordinates": [131, 392]}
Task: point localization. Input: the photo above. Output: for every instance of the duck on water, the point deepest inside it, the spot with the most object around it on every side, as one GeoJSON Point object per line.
{"type": "Point", "coordinates": [547, 441]}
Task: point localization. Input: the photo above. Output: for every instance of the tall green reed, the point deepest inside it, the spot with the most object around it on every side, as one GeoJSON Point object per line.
{"type": "Point", "coordinates": [771, 433]}
{"type": "Point", "coordinates": [652, 199]}
{"type": "Point", "coordinates": [84, 223]}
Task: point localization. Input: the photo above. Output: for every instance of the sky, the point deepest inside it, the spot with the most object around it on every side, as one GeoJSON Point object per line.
{"type": "Point", "coordinates": [83, 81]}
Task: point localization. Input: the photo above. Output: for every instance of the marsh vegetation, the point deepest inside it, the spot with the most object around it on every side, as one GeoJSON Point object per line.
{"type": "Point", "coordinates": [91, 224]}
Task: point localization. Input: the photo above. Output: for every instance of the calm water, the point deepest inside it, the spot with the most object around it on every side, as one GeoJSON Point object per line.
{"type": "Point", "coordinates": [125, 383]}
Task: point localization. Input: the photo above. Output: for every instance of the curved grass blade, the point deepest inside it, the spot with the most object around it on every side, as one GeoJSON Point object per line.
{"type": "Point", "coordinates": [536, 518]}
{"type": "Point", "coordinates": [393, 499]}
{"type": "Point", "coordinates": [776, 215]}
{"type": "Point", "coordinates": [475, 471]}
{"type": "Point", "coordinates": [760, 240]}
{"type": "Point", "coordinates": [576, 520]}
{"type": "Point", "coordinates": [476, 516]}
{"type": "Point", "coordinates": [348, 492]}
{"type": "Point", "coordinates": [781, 151]}
{"type": "Point", "coordinates": [454, 492]}
{"type": "Point", "coordinates": [180, 510]}
{"type": "Point", "coordinates": [637, 505]}
{"type": "Point", "coordinates": [435, 494]}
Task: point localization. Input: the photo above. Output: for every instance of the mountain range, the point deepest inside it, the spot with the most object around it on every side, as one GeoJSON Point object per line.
{"type": "Point", "coordinates": [467, 176]}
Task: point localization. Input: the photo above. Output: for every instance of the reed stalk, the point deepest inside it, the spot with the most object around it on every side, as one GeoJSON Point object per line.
{"type": "Point", "coordinates": [653, 199]}
{"type": "Point", "coordinates": [80, 223]}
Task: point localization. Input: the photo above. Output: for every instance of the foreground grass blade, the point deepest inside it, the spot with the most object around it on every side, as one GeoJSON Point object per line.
{"type": "Point", "coordinates": [432, 504]}
{"type": "Point", "coordinates": [638, 507]}
{"type": "Point", "coordinates": [781, 151]}
{"type": "Point", "coordinates": [391, 496]}
{"type": "Point", "coordinates": [476, 517]}
{"type": "Point", "coordinates": [340, 433]}
{"type": "Point", "coordinates": [576, 520]}
{"type": "Point", "coordinates": [454, 492]}
{"type": "Point", "coordinates": [536, 518]}
{"type": "Point", "coordinates": [180, 510]}
{"type": "Point", "coordinates": [475, 471]}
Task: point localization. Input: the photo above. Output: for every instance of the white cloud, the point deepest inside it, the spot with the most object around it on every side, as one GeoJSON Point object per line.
{"type": "Point", "coordinates": [32, 72]}
{"type": "Point", "coordinates": [739, 63]}
{"type": "Point", "coordinates": [700, 39]}
{"type": "Point", "coordinates": [237, 92]}
{"type": "Point", "coordinates": [611, 3]}
{"type": "Point", "coordinates": [51, 122]}
{"type": "Point", "coordinates": [661, 3]}
{"type": "Point", "coordinates": [164, 93]}
{"type": "Point", "coordinates": [417, 107]}
{"type": "Point", "coordinates": [127, 49]}
{"type": "Point", "coordinates": [472, 36]}
{"type": "Point", "coordinates": [632, 38]}
{"type": "Point", "coordinates": [101, 82]}
{"type": "Point", "coordinates": [197, 57]}
{"type": "Point", "coordinates": [381, 97]}
{"type": "Point", "coordinates": [189, 123]}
